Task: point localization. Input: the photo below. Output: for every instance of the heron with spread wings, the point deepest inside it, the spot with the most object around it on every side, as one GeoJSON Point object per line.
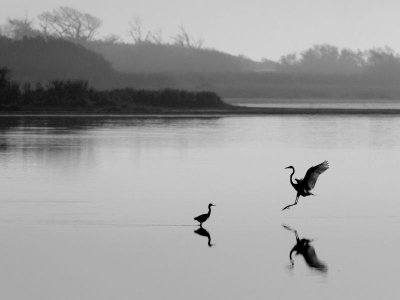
{"type": "Point", "coordinates": [305, 185]}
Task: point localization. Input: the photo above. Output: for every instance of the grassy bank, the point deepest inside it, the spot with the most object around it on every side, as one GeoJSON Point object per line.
{"type": "Point", "coordinates": [77, 96]}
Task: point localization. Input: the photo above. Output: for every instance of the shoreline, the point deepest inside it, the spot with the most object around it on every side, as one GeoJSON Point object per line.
{"type": "Point", "coordinates": [232, 111]}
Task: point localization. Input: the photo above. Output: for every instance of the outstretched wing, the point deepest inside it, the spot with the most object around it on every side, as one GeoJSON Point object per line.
{"type": "Point", "coordinates": [312, 174]}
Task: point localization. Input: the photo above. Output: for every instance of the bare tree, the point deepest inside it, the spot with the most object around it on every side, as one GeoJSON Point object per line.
{"type": "Point", "coordinates": [184, 39]}
{"type": "Point", "coordinates": [69, 23]}
{"type": "Point", "coordinates": [156, 36]}
{"type": "Point", "coordinates": [140, 35]}
{"type": "Point", "coordinates": [136, 30]}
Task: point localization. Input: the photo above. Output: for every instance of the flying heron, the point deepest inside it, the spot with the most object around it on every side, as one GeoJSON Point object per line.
{"type": "Point", "coordinates": [305, 185]}
{"type": "Point", "coordinates": [202, 218]}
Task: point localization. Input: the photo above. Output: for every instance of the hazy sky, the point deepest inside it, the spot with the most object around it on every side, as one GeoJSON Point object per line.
{"type": "Point", "coordinates": [255, 28]}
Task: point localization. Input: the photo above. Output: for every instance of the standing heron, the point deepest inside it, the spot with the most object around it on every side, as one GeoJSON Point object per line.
{"type": "Point", "coordinates": [305, 185]}
{"type": "Point", "coordinates": [202, 218]}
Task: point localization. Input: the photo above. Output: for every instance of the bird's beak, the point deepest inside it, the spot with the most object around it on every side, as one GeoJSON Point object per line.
{"type": "Point", "coordinates": [213, 205]}
{"type": "Point", "coordinates": [287, 167]}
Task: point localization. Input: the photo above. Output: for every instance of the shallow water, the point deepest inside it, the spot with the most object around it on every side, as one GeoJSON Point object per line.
{"type": "Point", "coordinates": [102, 208]}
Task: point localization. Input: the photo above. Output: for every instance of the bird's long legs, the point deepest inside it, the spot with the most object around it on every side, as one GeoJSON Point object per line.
{"type": "Point", "coordinates": [297, 199]}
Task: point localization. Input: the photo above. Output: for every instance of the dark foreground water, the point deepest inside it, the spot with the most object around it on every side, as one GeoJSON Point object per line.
{"type": "Point", "coordinates": [102, 208]}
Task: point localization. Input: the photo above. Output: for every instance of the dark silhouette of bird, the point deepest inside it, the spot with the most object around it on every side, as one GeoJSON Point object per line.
{"type": "Point", "coordinates": [202, 218]}
{"type": "Point", "coordinates": [204, 232]}
{"type": "Point", "coordinates": [304, 247]}
{"type": "Point", "coordinates": [305, 185]}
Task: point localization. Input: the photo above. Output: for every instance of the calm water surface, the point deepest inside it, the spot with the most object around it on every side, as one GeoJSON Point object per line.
{"type": "Point", "coordinates": [102, 208]}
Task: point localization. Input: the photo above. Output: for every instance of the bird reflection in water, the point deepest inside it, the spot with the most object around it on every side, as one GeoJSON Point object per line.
{"type": "Point", "coordinates": [304, 247]}
{"type": "Point", "coordinates": [203, 232]}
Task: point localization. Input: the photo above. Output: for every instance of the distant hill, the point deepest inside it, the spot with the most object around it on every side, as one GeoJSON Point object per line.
{"type": "Point", "coordinates": [174, 59]}
{"type": "Point", "coordinates": [107, 66]}
{"type": "Point", "coordinates": [147, 66]}
{"type": "Point", "coordinates": [40, 60]}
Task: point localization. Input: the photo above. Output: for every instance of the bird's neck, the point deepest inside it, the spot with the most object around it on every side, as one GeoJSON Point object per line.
{"type": "Point", "coordinates": [291, 179]}
{"type": "Point", "coordinates": [209, 210]}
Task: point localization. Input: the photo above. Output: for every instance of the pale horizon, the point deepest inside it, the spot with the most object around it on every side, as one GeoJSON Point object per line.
{"type": "Point", "coordinates": [256, 29]}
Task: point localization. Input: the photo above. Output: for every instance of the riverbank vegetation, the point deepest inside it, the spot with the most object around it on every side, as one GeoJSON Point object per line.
{"type": "Point", "coordinates": [77, 96]}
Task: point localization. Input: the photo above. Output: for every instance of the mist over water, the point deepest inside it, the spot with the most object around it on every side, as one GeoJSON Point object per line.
{"type": "Point", "coordinates": [102, 207]}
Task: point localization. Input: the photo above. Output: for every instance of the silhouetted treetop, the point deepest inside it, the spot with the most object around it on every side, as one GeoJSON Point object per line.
{"type": "Point", "coordinates": [323, 59]}
{"type": "Point", "coordinates": [328, 59]}
{"type": "Point", "coordinates": [20, 28]}
{"type": "Point", "coordinates": [69, 23]}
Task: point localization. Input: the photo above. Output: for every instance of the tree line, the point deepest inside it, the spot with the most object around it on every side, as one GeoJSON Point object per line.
{"type": "Point", "coordinates": [47, 52]}
{"type": "Point", "coordinates": [328, 59]}
{"type": "Point", "coordinates": [73, 25]}
{"type": "Point", "coordinates": [39, 60]}
{"type": "Point", "coordinates": [79, 27]}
